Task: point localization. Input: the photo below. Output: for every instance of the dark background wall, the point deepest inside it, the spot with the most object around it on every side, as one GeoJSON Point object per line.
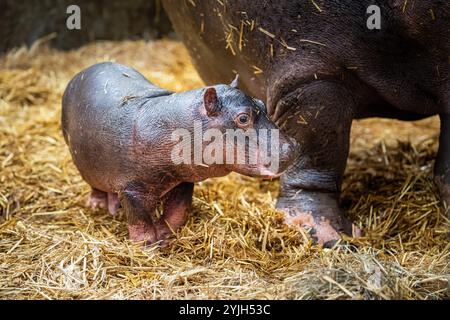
{"type": "Point", "coordinates": [23, 22]}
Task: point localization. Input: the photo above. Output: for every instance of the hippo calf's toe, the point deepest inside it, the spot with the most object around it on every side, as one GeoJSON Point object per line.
{"type": "Point", "coordinates": [138, 145]}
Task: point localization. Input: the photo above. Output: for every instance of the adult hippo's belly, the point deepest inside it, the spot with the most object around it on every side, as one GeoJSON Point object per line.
{"type": "Point", "coordinates": [318, 66]}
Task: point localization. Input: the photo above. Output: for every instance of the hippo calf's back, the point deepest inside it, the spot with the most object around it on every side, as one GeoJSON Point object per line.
{"type": "Point", "coordinates": [98, 111]}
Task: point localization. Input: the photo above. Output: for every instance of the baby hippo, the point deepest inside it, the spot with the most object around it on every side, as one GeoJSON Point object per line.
{"type": "Point", "coordinates": [138, 145]}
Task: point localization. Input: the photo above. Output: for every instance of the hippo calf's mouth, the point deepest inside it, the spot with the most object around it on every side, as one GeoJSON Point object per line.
{"type": "Point", "coordinates": [270, 176]}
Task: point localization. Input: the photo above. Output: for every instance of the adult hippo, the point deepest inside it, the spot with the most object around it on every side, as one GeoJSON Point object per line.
{"type": "Point", "coordinates": [318, 66]}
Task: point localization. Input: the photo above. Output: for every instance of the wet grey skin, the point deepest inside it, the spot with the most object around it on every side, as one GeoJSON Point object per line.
{"type": "Point", "coordinates": [119, 126]}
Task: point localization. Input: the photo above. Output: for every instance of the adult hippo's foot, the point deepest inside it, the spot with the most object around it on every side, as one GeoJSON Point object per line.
{"type": "Point", "coordinates": [444, 192]}
{"type": "Point", "coordinates": [318, 213]}
{"type": "Point", "coordinates": [310, 188]}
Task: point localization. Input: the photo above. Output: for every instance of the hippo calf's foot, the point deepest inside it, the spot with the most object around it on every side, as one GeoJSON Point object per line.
{"type": "Point", "coordinates": [317, 213]}
{"type": "Point", "coordinates": [102, 200]}
{"type": "Point", "coordinates": [113, 203]}
{"type": "Point", "coordinates": [97, 200]}
{"type": "Point", "coordinates": [142, 232]}
{"type": "Point", "coordinates": [176, 205]}
{"type": "Point", "coordinates": [140, 204]}
{"type": "Point", "coordinates": [158, 233]}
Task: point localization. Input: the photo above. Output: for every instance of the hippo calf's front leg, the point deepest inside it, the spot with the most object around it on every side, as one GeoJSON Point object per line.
{"type": "Point", "coordinates": [442, 165]}
{"type": "Point", "coordinates": [174, 215]}
{"type": "Point", "coordinates": [140, 204]}
{"type": "Point", "coordinates": [319, 116]}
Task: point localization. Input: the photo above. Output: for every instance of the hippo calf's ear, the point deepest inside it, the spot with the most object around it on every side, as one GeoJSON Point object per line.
{"type": "Point", "coordinates": [211, 102]}
{"type": "Point", "coordinates": [234, 83]}
{"type": "Point", "coordinates": [260, 104]}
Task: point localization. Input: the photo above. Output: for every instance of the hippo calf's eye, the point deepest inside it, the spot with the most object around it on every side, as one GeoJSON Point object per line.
{"type": "Point", "coordinates": [243, 120]}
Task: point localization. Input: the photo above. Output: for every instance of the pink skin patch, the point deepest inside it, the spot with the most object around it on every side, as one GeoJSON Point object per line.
{"type": "Point", "coordinates": [324, 231]}
{"type": "Point", "coordinates": [267, 174]}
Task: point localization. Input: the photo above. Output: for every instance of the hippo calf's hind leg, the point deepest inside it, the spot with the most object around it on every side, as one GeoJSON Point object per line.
{"type": "Point", "coordinates": [442, 165]}
{"type": "Point", "coordinates": [97, 199]}
{"type": "Point", "coordinates": [113, 203]}
{"type": "Point", "coordinates": [140, 206]}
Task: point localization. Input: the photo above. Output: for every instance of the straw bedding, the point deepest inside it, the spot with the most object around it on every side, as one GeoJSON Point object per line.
{"type": "Point", "coordinates": [234, 244]}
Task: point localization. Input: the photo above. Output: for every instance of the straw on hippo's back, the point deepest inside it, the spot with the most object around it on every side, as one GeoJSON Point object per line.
{"type": "Point", "coordinates": [118, 127]}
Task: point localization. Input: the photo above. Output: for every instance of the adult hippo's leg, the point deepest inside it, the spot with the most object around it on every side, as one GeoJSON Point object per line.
{"type": "Point", "coordinates": [319, 116]}
{"type": "Point", "coordinates": [442, 165]}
